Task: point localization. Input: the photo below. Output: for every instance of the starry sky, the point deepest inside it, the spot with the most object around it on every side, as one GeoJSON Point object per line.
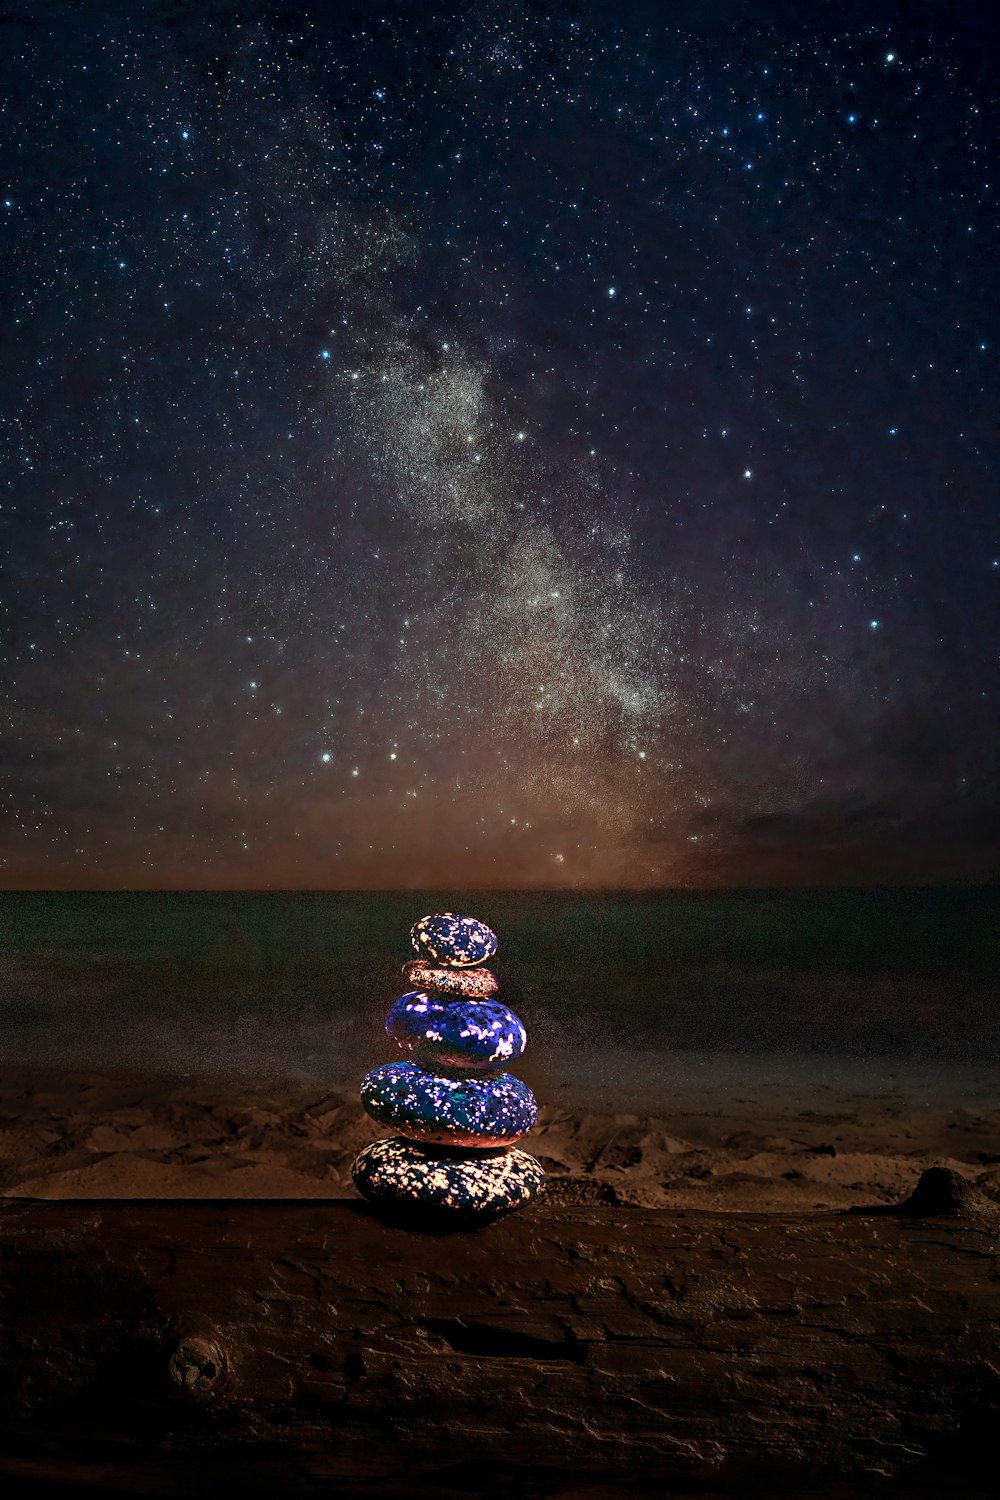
{"type": "Point", "coordinates": [498, 444]}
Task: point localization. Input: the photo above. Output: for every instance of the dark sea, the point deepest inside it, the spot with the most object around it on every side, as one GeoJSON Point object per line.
{"type": "Point", "coordinates": [296, 984]}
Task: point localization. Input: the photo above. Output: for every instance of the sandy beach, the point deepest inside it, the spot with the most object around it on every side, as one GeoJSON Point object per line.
{"type": "Point", "coordinates": [741, 1133]}
{"type": "Point", "coordinates": [746, 1051]}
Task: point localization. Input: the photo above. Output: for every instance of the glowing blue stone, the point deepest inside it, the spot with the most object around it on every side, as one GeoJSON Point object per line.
{"type": "Point", "coordinates": [474, 1035]}
{"type": "Point", "coordinates": [479, 1112]}
{"type": "Point", "coordinates": [457, 942]}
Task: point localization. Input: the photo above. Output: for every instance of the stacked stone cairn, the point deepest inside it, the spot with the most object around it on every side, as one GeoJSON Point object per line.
{"type": "Point", "coordinates": [455, 1112]}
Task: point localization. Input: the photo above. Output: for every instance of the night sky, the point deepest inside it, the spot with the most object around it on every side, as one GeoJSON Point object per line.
{"type": "Point", "coordinates": [498, 444]}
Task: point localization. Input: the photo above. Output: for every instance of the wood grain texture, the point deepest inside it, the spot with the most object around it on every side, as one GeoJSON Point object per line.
{"type": "Point", "coordinates": [161, 1347]}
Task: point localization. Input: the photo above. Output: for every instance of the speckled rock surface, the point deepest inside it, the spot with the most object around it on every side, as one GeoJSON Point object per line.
{"type": "Point", "coordinates": [475, 1035]}
{"type": "Point", "coordinates": [482, 1113]}
{"type": "Point", "coordinates": [400, 1172]}
{"type": "Point", "coordinates": [454, 941]}
{"type": "Point", "coordinates": [473, 984]}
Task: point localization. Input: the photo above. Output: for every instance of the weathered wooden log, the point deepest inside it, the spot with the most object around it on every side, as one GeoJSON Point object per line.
{"type": "Point", "coordinates": [176, 1347]}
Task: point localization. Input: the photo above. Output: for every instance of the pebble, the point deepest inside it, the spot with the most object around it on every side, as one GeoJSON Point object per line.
{"type": "Point", "coordinates": [397, 1171]}
{"type": "Point", "coordinates": [424, 1106]}
{"type": "Point", "coordinates": [473, 984]}
{"type": "Point", "coordinates": [474, 1035]}
{"type": "Point", "coordinates": [457, 942]}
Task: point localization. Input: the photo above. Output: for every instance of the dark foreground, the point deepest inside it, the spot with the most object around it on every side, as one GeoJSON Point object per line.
{"type": "Point", "coordinates": [200, 1348]}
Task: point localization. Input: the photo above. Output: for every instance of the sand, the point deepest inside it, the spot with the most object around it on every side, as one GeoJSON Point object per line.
{"type": "Point", "coordinates": [735, 1132]}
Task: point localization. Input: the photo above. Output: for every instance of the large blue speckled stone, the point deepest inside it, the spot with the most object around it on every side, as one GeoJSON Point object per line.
{"type": "Point", "coordinates": [400, 1174]}
{"type": "Point", "coordinates": [477, 1112]}
{"type": "Point", "coordinates": [475, 1035]}
{"type": "Point", "coordinates": [457, 942]}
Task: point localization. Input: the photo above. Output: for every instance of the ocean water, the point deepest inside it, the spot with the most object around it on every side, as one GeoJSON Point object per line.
{"type": "Point", "coordinates": [297, 983]}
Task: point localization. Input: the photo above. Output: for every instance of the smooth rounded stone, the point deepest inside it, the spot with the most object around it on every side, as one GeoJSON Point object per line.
{"type": "Point", "coordinates": [474, 1035]}
{"type": "Point", "coordinates": [473, 984]}
{"type": "Point", "coordinates": [398, 1173]}
{"type": "Point", "coordinates": [454, 941]}
{"type": "Point", "coordinates": [477, 1112]}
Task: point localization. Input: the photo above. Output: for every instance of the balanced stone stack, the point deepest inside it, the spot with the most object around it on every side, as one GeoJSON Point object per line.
{"type": "Point", "coordinates": [456, 1112]}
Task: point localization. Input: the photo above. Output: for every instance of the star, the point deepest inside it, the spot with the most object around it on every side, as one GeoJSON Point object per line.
{"type": "Point", "coordinates": [306, 409]}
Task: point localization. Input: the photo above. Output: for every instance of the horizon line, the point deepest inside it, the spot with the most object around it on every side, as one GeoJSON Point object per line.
{"type": "Point", "coordinates": [525, 890]}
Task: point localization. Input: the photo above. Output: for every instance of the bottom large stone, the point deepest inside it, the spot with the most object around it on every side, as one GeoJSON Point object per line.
{"type": "Point", "coordinates": [400, 1173]}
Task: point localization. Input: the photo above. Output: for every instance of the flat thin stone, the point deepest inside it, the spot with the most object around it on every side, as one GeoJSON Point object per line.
{"type": "Point", "coordinates": [472, 984]}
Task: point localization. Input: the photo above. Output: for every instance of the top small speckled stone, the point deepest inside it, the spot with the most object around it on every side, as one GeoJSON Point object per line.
{"type": "Point", "coordinates": [457, 942]}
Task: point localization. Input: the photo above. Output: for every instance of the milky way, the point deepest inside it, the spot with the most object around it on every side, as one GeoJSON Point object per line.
{"type": "Point", "coordinates": [503, 446]}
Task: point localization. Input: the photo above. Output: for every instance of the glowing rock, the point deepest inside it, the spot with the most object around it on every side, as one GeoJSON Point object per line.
{"type": "Point", "coordinates": [474, 1035]}
{"type": "Point", "coordinates": [455, 1115]}
{"type": "Point", "coordinates": [454, 941]}
{"type": "Point", "coordinates": [477, 1112]}
{"type": "Point", "coordinates": [473, 984]}
{"type": "Point", "coordinates": [399, 1172]}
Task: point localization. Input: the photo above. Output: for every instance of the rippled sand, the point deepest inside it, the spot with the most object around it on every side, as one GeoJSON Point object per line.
{"type": "Point", "coordinates": [739, 1132]}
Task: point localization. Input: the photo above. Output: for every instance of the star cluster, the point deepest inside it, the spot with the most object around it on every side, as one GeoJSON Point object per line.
{"type": "Point", "coordinates": [500, 445]}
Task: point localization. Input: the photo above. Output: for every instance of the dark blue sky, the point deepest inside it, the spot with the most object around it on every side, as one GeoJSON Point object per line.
{"type": "Point", "coordinates": [498, 445]}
